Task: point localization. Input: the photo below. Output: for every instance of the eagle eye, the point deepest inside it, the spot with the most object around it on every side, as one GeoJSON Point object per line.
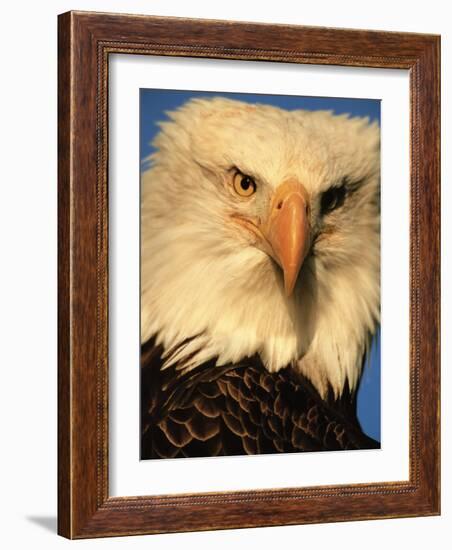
{"type": "Point", "coordinates": [332, 198]}
{"type": "Point", "coordinates": [243, 185]}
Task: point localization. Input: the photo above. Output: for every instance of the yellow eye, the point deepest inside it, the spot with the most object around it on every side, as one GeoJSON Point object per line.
{"type": "Point", "coordinates": [243, 185]}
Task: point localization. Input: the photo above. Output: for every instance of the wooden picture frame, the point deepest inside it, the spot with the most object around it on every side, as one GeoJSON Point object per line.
{"type": "Point", "coordinates": [85, 42]}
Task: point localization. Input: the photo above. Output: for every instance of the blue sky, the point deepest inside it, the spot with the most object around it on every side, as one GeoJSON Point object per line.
{"type": "Point", "coordinates": [153, 106]}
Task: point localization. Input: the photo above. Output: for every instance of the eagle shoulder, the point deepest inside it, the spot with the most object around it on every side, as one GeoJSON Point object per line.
{"type": "Point", "coordinates": [239, 409]}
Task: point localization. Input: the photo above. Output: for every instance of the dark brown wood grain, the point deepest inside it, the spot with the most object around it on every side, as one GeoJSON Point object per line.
{"type": "Point", "coordinates": [64, 295]}
{"type": "Point", "coordinates": [85, 508]}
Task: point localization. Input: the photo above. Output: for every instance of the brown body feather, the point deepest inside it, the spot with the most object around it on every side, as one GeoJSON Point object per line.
{"type": "Point", "coordinates": [239, 409]}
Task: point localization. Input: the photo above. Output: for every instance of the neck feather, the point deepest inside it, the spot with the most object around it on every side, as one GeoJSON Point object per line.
{"type": "Point", "coordinates": [230, 304]}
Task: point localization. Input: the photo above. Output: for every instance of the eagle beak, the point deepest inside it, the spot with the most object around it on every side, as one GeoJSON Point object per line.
{"type": "Point", "coordinates": [287, 230]}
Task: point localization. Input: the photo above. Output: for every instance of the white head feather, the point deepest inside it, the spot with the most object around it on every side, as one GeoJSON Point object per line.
{"type": "Point", "coordinates": [203, 276]}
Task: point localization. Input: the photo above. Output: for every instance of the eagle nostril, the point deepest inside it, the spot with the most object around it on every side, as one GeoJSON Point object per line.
{"type": "Point", "coordinates": [279, 205]}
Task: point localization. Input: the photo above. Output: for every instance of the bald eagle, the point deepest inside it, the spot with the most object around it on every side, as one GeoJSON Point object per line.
{"type": "Point", "coordinates": [260, 289]}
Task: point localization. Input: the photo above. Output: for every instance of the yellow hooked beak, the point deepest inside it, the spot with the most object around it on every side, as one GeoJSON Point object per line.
{"type": "Point", "coordinates": [287, 230]}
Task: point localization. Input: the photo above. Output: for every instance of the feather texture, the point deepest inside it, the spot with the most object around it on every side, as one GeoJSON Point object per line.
{"type": "Point", "coordinates": [239, 409]}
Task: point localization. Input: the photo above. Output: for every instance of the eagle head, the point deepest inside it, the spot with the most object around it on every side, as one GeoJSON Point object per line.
{"type": "Point", "coordinates": [260, 235]}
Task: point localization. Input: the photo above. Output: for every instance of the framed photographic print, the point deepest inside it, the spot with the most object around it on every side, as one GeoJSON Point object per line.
{"type": "Point", "coordinates": [248, 275]}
